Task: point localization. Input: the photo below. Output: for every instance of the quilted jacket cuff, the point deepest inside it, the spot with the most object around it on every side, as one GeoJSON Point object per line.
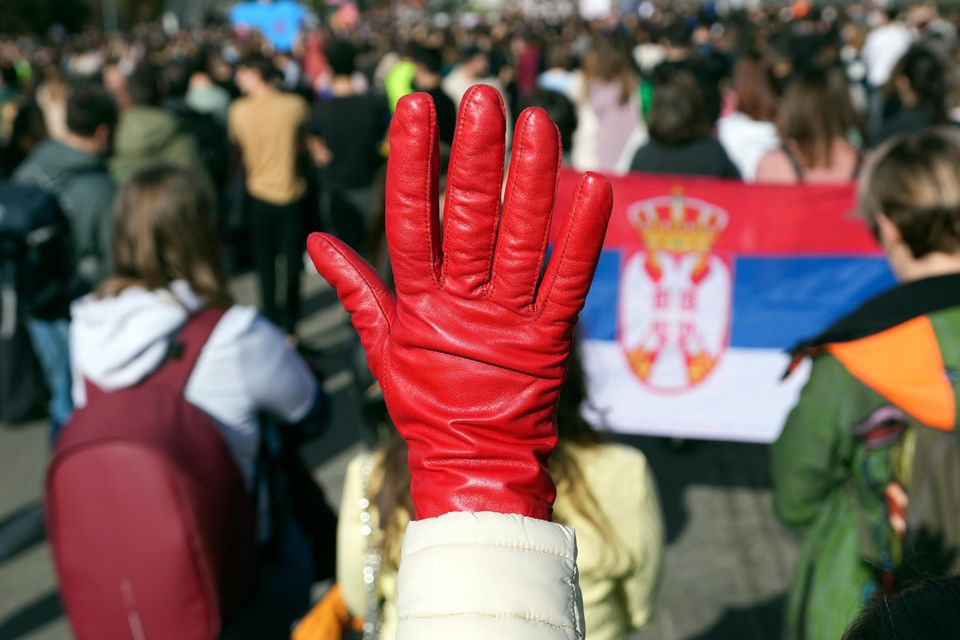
{"type": "Point", "coordinates": [489, 575]}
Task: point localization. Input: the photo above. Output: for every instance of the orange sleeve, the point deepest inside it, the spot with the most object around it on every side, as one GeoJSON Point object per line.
{"type": "Point", "coordinates": [905, 366]}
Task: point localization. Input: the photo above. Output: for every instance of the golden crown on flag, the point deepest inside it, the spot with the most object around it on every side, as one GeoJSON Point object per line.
{"type": "Point", "coordinates": [678, 225]}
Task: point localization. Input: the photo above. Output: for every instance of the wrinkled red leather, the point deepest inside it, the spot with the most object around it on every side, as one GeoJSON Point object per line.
{"type": "Point", "coordinates": [471, 352]}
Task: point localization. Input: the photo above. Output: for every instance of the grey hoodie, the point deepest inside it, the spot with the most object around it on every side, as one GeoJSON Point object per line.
{"type": "Point", "coordinates": [85, 191]}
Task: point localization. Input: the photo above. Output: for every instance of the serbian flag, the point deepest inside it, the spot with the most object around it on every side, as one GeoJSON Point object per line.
{"type": "Point", "coordinates": [702, 288]}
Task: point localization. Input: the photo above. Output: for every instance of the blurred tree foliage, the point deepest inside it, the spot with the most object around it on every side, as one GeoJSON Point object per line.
{"type": "Point", "coordinates": [37, 16]}
{"type": "Point", "coordinates": [134, 12]}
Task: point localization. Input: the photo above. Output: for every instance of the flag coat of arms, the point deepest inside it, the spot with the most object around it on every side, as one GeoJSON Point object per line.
{"type": "Point", "coordinates": [702, 288]}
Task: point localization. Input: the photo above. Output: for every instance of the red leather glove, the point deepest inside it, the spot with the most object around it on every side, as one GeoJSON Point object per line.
{"type": "Point", "coordinates": [471, 353]}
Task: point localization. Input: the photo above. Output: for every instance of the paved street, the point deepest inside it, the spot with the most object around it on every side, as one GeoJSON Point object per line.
{"type": "Point", "coordinates": [727, 566]}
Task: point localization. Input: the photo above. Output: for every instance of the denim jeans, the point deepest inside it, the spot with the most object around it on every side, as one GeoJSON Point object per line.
{"type": "Point", "coordinates": [51, 343]}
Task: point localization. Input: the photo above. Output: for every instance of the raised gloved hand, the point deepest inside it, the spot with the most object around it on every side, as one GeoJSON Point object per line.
{"type": "Point", "coordinates": [470, 354]}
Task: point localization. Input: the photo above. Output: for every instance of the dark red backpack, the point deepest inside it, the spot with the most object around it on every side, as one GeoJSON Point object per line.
{"type": "Point", "coordinates": [151, 526]}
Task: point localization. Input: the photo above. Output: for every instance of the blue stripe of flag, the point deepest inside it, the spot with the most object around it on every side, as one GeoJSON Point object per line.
{"type": "Point", "coordinates": [777, 300]}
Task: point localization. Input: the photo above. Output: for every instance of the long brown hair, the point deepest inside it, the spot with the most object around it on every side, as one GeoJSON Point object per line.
{"type": "Point", "coordinates": [605, 62]}
{"type": "Point", "coordinates": [757, 89]}
{"type": "Point", "coordinates": [574, 430]}
{"type": "Point", "coordinates": [813, 117]}
{"type": "Point", "coordinates": [162, 232]}
{"type": "Point", "coordinates": [392, 496]}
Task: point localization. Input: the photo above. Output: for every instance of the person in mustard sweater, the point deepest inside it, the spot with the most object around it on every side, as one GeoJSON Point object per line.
{"type": "Point", "coordinates": [606, 492]}
{"type": "Point", "coordinates": [865, 431]}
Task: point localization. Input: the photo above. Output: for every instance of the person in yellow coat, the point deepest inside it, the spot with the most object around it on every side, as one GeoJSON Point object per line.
{"type": "Point", "coordinates": [606, 492]}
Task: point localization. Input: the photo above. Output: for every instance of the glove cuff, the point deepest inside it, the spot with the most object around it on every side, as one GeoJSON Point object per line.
{"type": "Point", "coordinates": [501, 486]}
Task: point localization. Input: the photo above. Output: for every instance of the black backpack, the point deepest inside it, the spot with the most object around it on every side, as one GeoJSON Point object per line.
{"type": "Point", "coordinates": [925, 463]}
{"type": "Point", "coordinates": [211, 138]}
{"type": "Point", "coordinates": [932, 543]}
{"type": "Point", "coordinates": [35, 281]}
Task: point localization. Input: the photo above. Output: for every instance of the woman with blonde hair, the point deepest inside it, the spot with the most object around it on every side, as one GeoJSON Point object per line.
{"type": "Point", "coordinates": [605, 491]}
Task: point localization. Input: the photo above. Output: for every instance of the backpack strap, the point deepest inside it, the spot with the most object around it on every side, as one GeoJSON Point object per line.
{"type": "Point", "coordinates": [794, 162]}
{"type": "Point", "coordinates": [185, 350]}
{"type": "Point", "coordinates": [859, 166]}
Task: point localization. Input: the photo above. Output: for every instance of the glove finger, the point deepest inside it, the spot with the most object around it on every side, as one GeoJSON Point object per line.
{"type": "Point", "coordinates": [474, 182]}
{"type": "Point", "coordinates": [531, 190]}
{"type": "Point", "coordinates": [370, 304]}
{"type": "Point", "coordinates": [413, 230]}
{"type": "Point", "coordinates": [574, 260]}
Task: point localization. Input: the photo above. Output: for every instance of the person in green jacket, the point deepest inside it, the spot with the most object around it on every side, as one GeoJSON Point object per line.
{"type": "Point", "coordinates": [881, 378]}
{"type": "Point", "coordinates": [148, 134]}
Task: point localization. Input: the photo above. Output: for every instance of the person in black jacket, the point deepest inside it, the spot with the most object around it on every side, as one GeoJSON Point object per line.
{"type": "Point", "coordinates": [427, 79]}
{"type": "Point", "coordinates": [919, 94]}
{"type": "Point", "coordinates": [680, 140]}
{"type": "Point", "coordinates": [347, 133]}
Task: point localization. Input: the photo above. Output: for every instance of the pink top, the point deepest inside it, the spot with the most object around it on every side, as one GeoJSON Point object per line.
{"type": "Point", "coordinates": [615, 121]}
{"type": "Point", "coordinates": [775, 167]}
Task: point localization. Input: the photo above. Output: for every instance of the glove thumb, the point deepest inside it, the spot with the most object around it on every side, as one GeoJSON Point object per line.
{"type": "Point", "coordinates": [370, 304]}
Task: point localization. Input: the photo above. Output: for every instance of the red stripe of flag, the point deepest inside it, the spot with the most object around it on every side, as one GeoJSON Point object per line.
{"type": "Point", "coordinates": [763, 219]}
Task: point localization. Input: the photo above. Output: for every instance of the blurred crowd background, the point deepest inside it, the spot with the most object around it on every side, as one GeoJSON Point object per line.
{"type": "Point", "coordinates": [773, 92]}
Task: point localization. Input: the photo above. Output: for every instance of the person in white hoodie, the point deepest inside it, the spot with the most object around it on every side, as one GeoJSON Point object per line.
{"type": "Point", "coordinates": [749, 133]}
{"type": "Point", "coordinates": [167, 265]}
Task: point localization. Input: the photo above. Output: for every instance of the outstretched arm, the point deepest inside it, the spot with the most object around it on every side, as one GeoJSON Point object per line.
{"type": "Point", "coordinates": [471, 355]}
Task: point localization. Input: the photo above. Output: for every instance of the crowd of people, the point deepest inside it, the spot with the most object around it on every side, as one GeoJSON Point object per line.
{"type": "Point", "coordinates": [179, 157]}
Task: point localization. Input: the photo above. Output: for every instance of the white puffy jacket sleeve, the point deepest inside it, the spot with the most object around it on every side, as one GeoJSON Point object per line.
{"type": "Point", "coordinates": [476, 576]}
